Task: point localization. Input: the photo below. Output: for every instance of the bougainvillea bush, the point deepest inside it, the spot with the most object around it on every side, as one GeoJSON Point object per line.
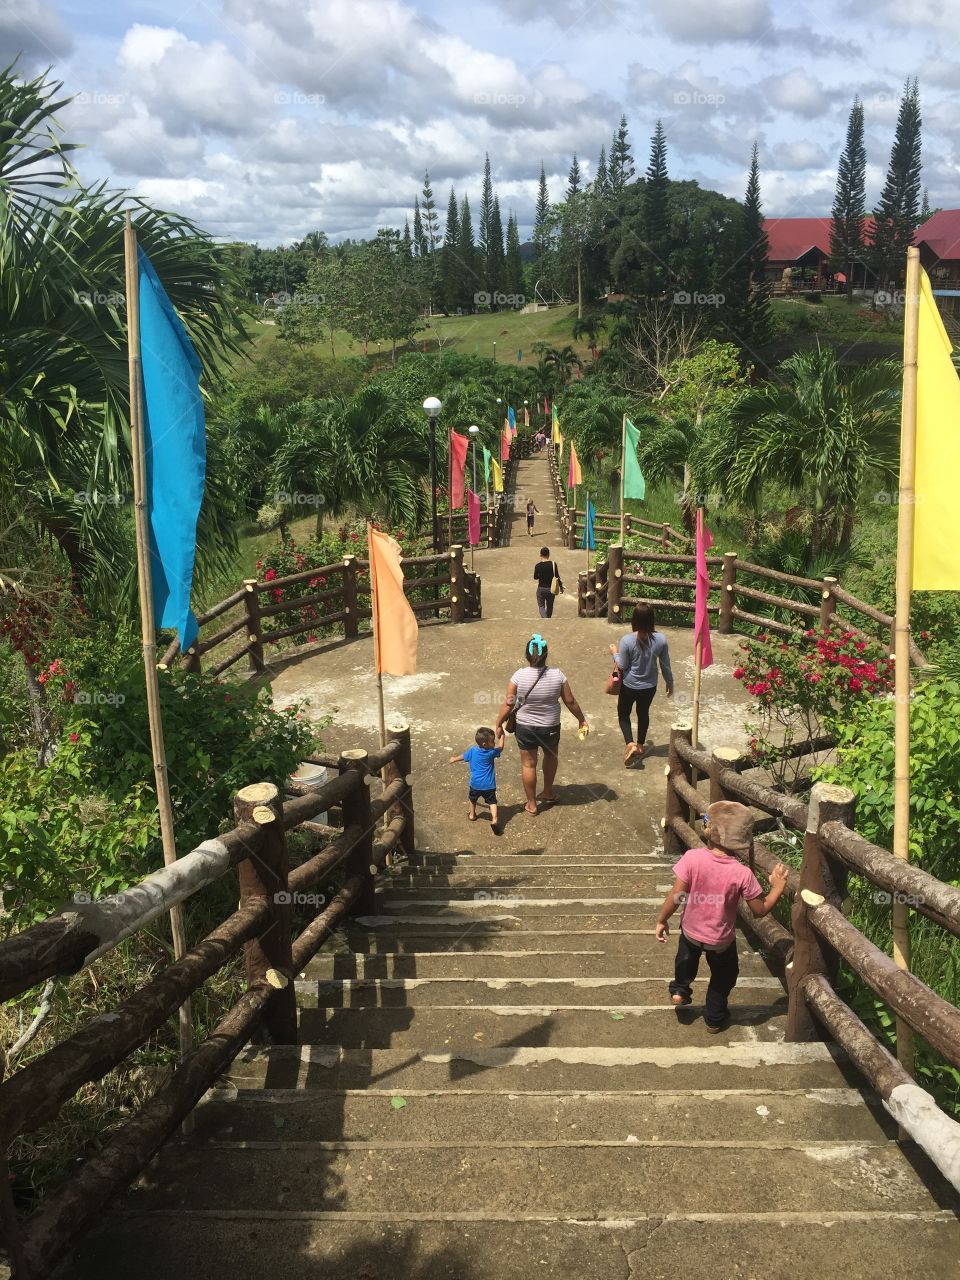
{"type": "Point", "coordinates": [807, 687]}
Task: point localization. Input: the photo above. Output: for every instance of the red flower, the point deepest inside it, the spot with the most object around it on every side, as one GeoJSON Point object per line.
{"type": "Point", "coordinates": [856, 685]}
{"type": "Point", "coordinates": [739, 673]}
{"type": "Point", "coordinates": [74, 737]}
{"type": "Point", "coordinates": [270, 575]}
{"type": "Point", "coordinates": [227, 697]}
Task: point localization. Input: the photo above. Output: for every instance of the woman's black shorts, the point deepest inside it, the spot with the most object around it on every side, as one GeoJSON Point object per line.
{"type": "Point", "coordinates": [530, 737]}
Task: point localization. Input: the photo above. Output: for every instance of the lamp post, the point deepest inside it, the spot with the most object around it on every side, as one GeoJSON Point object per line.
{"type": "Point", "coordinates": [499, 415]}
{"type": "Point", "coordinates": [526, 413]}
{"type": "Point", "coordinates": [473, 432]}
{"type": "Point", "coordinates": [432, 407]}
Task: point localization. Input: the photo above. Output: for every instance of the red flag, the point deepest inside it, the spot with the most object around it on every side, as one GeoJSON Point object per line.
{"type": "Point", "coordinates": [458, 460]}
{"type": "Point", "coordinates": [473, 518]}
{"type": "Point", "coordinates": [701, 626]}
{"type": "Point", "coordinates": [574, 474]}
{"type": "Point", "coordinates": [546, 407]}
{"type": "Point", "coordinates": [505, 446]}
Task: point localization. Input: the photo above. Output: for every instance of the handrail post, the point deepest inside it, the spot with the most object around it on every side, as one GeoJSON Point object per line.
{"type": "Point", "coordinates": [728, 593]}
{"type": "Point", "coordinates": [269, 957]}
{"type": "Point", "coordinates": [456, 584]}
{"type": "Point", "coordinates": [821, 878]}
{"type": "Point", "coordinates": [721, 759]}
{"type": "Point", "coordinates": [828, 602]}
{"type": "Point", "coordinates": [614, 582]}
{"type": "Point", "coordinates": [351, 623]}
{"type": "Point", "coordinates": [572, 528]}
{"type": "Point", "coordinates": [251, 606]}
{"type": "Point", "coordinates": [356, 813]}
{"type": "Point", "coordinates": [582, 594]}
{"type": "Point", "coordinates": [401, 767]}
{"type": "Point", "coordinates": [674, 807]}
{"type": "Point", "coordinates": [665, 537]}
{"type": "Point", "coordinates": [191, 659]}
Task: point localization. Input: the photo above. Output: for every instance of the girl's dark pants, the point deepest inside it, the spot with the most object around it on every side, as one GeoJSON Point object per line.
{"type": "Point", "coordinates": [627, 699]}
{"type": "Point", "coordinates": [724, 969]}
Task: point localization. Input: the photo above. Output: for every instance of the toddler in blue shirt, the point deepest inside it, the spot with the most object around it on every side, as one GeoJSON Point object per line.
{"type": "Point", "coordinates": [483, 778]}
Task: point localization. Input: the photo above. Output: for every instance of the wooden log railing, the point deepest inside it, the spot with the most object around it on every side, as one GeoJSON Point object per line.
{"type": "Point", "coordinates": [270, 614]}
{"type": "Point", "coordinates": [815, 603]}
{"type": "Point", "coordinates": [821, 938]}
{"type": "Point", "coordinates": [261, 928]}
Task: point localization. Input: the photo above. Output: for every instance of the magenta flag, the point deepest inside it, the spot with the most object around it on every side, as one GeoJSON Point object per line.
{"type": "Point", "coordinates": [505, 446]}
{"type": "Point", "coordinates": [473, 518]}
{"type": "Point", "coordinates": [458, 460]}
{"type": "Point", "coordinates": [701, 626]}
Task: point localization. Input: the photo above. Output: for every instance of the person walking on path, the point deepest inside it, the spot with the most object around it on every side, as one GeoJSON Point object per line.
{"type": "Point", "coordinates": [544, 572]}
{"type": "Point", "coordinates": [535, 693]}
{"type": "Point", "coordinates": [637, 657]}
{"type": "Point", "coordinates": [532, 512]}
{"type": "Point", "coordinates": [709, 883]}
{"type": "Point", "coordinates": [482, 760]}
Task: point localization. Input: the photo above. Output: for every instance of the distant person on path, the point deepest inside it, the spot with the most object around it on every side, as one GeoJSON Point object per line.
{"type": "Point", "coordinates": [536, 691]}
{"type": "Point", "coordinates": [637, 656]}
{"type": "Point", "coordinates": [483, 777]}
{"type": "Point", "coordinates": [544, 572]}
{"type": "Point", "coordinates": [709, 883]}
{"type": "Point", "coordinates": [532, 512]}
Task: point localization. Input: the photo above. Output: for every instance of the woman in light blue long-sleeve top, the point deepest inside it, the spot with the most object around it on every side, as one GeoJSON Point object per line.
{"type": "Point", "coordinates": [638, 656]}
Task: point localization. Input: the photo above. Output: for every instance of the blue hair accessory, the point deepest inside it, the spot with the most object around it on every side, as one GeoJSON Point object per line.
{"type": "Point", "coordinates": [537, 641]}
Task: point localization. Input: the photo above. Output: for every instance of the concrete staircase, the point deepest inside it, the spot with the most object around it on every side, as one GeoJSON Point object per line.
{"type": "Point", "coordinates": [494, 1086]}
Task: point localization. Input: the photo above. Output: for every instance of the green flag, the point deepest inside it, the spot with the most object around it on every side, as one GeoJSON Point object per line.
{"type": "Point", "coordinates": [486, 467]}
{"type": "Point", "coordinates": [634, 485]}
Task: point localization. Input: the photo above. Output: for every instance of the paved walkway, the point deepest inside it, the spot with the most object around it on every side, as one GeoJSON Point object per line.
{"type": "Point", "coordinates": [492, 1084]}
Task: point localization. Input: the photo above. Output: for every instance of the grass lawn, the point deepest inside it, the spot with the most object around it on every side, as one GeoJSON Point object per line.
{"type": "Point", "coordinates": [856, 331]}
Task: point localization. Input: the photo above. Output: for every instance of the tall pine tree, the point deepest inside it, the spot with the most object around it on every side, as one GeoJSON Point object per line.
{"type": "Point", "coordinates": [419, 238]}
{"type": "Point", "coordinates": [621, 159]}
{"type": "Point", "coordinates": [574, 182]}
{"type": "Point", "coordinates": [897, 216]}
{"type": "Point", "coordinates": [496, 259]}
{"type": "Point", "coordinates": [656, 215]}
{"type": "Point", "coordinates": [542, 234]}
{"type": "Point", "coordinates": [601, 183]}
{"type": "Point", "coordinates": [753, 318]}
{"type": "Point", "coordinates": [470, 281]}
{"type": "Point", "coordinates": [486, 215]}
{"type": "Point", "coordinates": [925, 213]}
{"type": "Point", "coordinates": [850, 201]}
{"type": "Point", "coordinates": [431, 222]}
{"type": "Point", "coordinates": [513, 267]}
{"type": "Point", "coordinates": [450, 259]}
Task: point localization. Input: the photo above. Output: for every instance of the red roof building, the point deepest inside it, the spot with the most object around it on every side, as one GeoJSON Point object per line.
{"type": "Point", "coordinates": [939, 243]}
{"type": "Point", "coordinates": [802, 246]}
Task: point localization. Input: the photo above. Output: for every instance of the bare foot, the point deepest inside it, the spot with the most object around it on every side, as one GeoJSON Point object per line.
{"type": "Point", "coordinates": [678, 1000]}
{"type": "Point", "coordinates": [531, 809]}
{"type": "Point", "coordinates": [471, 817]}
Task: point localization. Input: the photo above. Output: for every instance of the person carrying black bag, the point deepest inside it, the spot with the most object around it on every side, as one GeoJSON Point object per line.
{"type": "Point", "coordinates": [549, 586]}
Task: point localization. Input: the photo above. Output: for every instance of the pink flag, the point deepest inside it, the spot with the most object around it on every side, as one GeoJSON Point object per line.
{"type": "Point", "coordinates": [701, 626]}
{"type": "Point", "coordinates": [546, 407]}
{"type": "Point", "coordinates": [458, 460]}
{"type": "Point", "coordinates": [505, 446]}
{"type": "Point", "coordinates": [473, 518]}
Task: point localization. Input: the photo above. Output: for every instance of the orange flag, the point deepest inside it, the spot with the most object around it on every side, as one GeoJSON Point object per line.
{"type": "Point", "coordinates": [394, 622]}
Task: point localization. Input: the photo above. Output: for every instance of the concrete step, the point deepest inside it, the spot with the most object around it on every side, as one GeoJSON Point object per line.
{"type": "Point", "coordinates": [388, 1244]}
{"type": "Point", "coordinates": [645, 888]}
{"type": "Point", "coordinates": [717, 1064]}
{"type": "Point", "coordinates": [546, 962]}
{"type": "Point", "coordinates": [655, 1024]}
{"type": "Point", "coordinates": [510, 861]}
{"type": "Point", "coordinates": [506, 881]}
{"type": "Point", "coordinates": [842, 1115]}
{"type": "Point", "coordinates": [578, 1178]}
{"type": "Point", "coordinates": [497, 917]}
{"type": "Point", "coordinates": [433, 992]}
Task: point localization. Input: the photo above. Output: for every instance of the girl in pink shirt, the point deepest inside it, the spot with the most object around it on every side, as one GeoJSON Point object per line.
{"type": "Point", "coordinates": [709, 884]}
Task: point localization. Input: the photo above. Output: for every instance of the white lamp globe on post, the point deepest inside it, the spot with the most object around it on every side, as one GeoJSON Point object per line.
{"type": "Point", "coordinates": [432, 407]}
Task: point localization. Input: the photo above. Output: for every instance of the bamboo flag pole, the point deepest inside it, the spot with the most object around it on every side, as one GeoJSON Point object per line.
{"type": "Point", "coordinates": [450, 490]}
{"type": "Point", "coordinates": [695, 713]}
{"type": "Point", "coordinates": [375, 621]}
{"type": "Point", "coordinates": [901, 632]}
{"type": "Point", "coordinates": [147, 624]}
{"type": "Point", "coordinates": [586, 529]}
{"type": "Point", "coordinates": [623, 468]}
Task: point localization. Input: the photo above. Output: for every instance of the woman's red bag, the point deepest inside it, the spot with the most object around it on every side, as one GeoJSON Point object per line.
{"type": "Point", "coordinates": [613, 682]}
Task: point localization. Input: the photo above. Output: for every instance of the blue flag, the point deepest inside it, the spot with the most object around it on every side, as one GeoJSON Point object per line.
{"type": "Point", "coordinates": [588, 541]}
{"type": "Point", "coordinates": [175, 449]}
{"type": "Point", "coordinates": [511, 419]}
{"type": "Point", "coordinates": [519, 355]}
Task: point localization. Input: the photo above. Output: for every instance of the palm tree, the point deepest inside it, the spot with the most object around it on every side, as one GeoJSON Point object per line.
{"type": "Point", "coordinates": [821, 430]}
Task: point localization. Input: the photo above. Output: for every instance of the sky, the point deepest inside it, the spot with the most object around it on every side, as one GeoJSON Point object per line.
{"type": "Point", "coordinates": [265, 119]}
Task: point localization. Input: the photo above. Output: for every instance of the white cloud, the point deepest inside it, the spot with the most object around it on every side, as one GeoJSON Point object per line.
{"type": "Point", "coordinates": [32, 29]}
{"type": "Point", "coordinates": [707, 21]}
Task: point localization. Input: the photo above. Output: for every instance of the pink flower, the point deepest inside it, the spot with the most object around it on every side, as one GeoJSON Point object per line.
{"type": "Point", "coordinates": [74, 737]}
{"type": "Point", "coordinates": [270, 575]}
{"type": "Point", "coordinates": [856, 685]}
{"type": "Point", "coordinates": [739, 673]}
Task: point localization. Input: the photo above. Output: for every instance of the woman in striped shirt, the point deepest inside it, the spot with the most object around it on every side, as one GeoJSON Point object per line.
{"type": "Point", "coordinates": [538, 691]}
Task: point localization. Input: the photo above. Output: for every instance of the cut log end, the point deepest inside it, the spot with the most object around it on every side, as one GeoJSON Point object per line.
{"type": "Point", "coordinates": [258, 793]}
{"type": "Point", "coordinates": [263, 816]}
{"type": "Point", "coordinates": [276, 979]}
{"type": "Point", "coordinates": [812, 899]}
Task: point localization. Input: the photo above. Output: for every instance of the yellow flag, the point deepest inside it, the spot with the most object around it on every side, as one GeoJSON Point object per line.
{"type": "Point", "coordinates": [497, 476]}
{"type": "Point", "coordinates": [555, 432]}
{"type": "Point", "coordinates": [936, 530]}
{"type": "Point", "coordinates": [560, 443]}
{"type": "Point", "coordinates": [394, 622]}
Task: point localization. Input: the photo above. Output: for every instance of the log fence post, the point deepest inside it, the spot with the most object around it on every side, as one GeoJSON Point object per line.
{"type": "Point", "coordinates": [614, 581]}
{"type": "Point", "coordinates": [723, 758]}
{"type": "Point", "coordinates": [402, 767]}
{"type": "Point", "coordinates": [822, 877]}
{"type": "Point", "coordinates": [356, 813]}
{"type": "Point", "coordinates": [828, 602]}
{"type": "Point", "coordinates": [457, 602]}
{"type": "Point", "coordinates": [351, 623]}
{"type": "Point", "coordinates": [665, 537]}
{"type": "Point", "coordinates": [191, 659]}
{"type": "Point", "coordinates": [582, 594]}
{"type": "Point", "coordinates": [674, 807]}
{"type": "Point", "coordinates": [269, 957]}
{"type": "Point", "coordinates": [251, 606]}
{"type": "Point", "coordinates": [728, 593]}
{"type": "Point", "coordinates": [572, 528]}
